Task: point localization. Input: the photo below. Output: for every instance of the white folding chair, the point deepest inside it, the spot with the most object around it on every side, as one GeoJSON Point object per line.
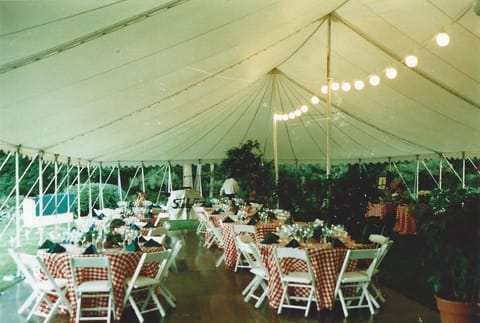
{"type": "Point", "coordinates": [215, 238]}
{"type": "Point", "coordinates": [164, 291]}
{"type": "Point", "coordinates": [203, 218]}
{"type": "Point", "coordinates": [157, 232]}
{"type": "Point", "coordinates": [356, 281]}
{"type": "Point", "coordinates": [161, 220]}
{"type": "Point", "coordinates": [376, 292]}
{"type": "Point", "coordinates": [240, 229]}
{"type": "Point", "coordinates": [378, 239]}
{"type": "Point", "coordinates": [94, 290]}
{"type": "Point", "coordinates": [303, 279]}
{"type": "Point", "coordinates": [142, 283]}
{"type": "Point", "coordinates": [48, 289]}
{"type": "Point", "coordinates": [257, 268]}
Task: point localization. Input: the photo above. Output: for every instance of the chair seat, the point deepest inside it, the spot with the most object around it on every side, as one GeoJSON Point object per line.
{"type": "Point", "coordinates": [355, 276]}
{"type": "Point", "coordinates": [143, 281]}
{"type": "Point", "coordinates": [46, 286]}
{"type": "Point", "coordinates": [259, 272]}
{"type": "Point", "coordinates": [298, 277]}
{"type": "Point", "coordinates": [94, 286]}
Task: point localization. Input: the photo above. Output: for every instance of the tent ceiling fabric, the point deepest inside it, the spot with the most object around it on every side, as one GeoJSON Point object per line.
{"type": "Point", "coordinates": [183, 81]}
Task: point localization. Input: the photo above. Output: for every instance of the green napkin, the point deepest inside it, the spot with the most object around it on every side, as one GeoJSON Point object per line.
{"type": "Point", "coordinates": [116, 223]}
{"type": "Point", "coordinates": [289, 221]}
{"type": "Point", "coordinates": [338, 244]}
{"type": "Point", "coordinates": [91, 250]}
{"type": "Point", "coordinates": [317, 233]}
{"type": "Point", "coordinates": [270, 238]}
{"type": "Point", "coordinates": [151, 243]}
{"type": "Point", "coordinates": [46, 245]}
{"type": "Point", "coordinates": [100, 216]}
{"type": "Point", "coordinates": [271, 215]}
{"type": "Point", "coordinates": [293, 244]}
{"type": "Point", "coordinates": [228, 220]}
{"type": "Point", "coordinates": [133, 246]}
{"type": "Point", "coordinates": [56, 248]}
{"type": "Point", "coordinates": [149, 225]}
{"type": "Point", "coordinates": [134, 227]}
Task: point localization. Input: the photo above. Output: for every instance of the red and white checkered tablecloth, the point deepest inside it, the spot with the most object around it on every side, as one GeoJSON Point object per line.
{"type": "Point", "coordinates": [229, 239]}
{"type": "Point", "coordinates": [122, 263]}
{"type": "Point", "coordinates": [405, 221]}
{"type": "Point", "coordinates": [380, 210]}
{"type": "Point", "coordinates": [326, 263]}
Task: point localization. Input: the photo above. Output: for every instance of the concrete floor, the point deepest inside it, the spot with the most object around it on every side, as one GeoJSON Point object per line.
{"type": "Point", "coordinates": [209, 294]}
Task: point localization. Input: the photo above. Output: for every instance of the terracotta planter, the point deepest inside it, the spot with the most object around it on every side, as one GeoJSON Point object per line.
{"type": "Point", "coordinates": [455, 312]}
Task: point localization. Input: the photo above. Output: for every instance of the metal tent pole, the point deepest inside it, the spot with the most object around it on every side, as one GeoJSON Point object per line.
{"type": "Point", "coordinates": [100, 188]}
{"type": "Point", "coordinates": [329, 96]}
{"type": "Point", "coordinates": [119, 181]}
{"type": "Point", "coordinates": [440, 173]}
{"type": "Point", "coordinates": [56, 191]}
{"type": "Point", "coordinates": [212, 169]}
{"type": "Point", "coordinates": [78, 190]}
{"type": "Point", "coordinates": [17, 198]}
{"type": "Point", "coordinates": [417, 178]}
{"type": "Point", "coordinates": [89, 191]}
{"type": "Point", "coordinates": [143, 179]}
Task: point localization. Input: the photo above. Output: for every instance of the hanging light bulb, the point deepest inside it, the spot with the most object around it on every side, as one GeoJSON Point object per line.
{"type": "Point", "coordinates": [315, 100]}
{"type": "Point", "coordinates": [304, 108]}
{"type": "Point", "coordinates": [275, 116]}
{"type": "Point", "coordinates": [324, 89]}
{"type": "Point", "coordinates": [298, 112]}
{"type": "Point", "coordinates": [374, 80]}
{"type": "Point", "coordinates": [391, 72]}
{"type": "Point", "coordinates": [291, 115]}
{"type": "Point", "coordinates": [442, 39]}
{"type": "Point", "coordinates": [335, 86]}
{"type": "Point", "coordinates": [411, 60]}
{"type": "Point", "coordinates": [346, 86]}
{"type": "Point", "coordinates": [359, 85]}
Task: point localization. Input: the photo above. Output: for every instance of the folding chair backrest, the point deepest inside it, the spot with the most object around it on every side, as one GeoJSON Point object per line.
{"type": "Point", "coordinates": [215, 231]}
{"type": "Point", "coordinates": [244, 228]}
{"type": "Point", "coordinates": [173, 255]}
{"type": "Point", "coordinates": [258, 257]}
{"type": "Point", "coordinates": [244, 247]}
{"type": "Point", "coordinates": [27, 264]}
{"type": "Point", "coordinates": [378, 238]}
{"type": "Point", "coordinates": [90, 262]}
{"type": "Point", "coordinates": [156, 232]}
{"type": "Point", "coordinates": [201, 213]}
{"type": "Point", "coordinates": [160, 257]}
{"type": "Point", "coordinates": [294, 253]}
{"type": "Point", "coordinates": [361, 254]}
{"type": "Point", "coordinates": [383, 252]}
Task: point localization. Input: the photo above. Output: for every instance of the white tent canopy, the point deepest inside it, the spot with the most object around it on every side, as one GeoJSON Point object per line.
{"type": "Point", "coordinates": [182, 81]}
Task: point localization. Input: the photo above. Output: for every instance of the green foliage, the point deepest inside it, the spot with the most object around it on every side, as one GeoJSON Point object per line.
{"type": "Point", "coordinates": [451, 235]}
{"type": "Point", "coordinates": [110, 196]}
{"type": "Point", "coordinates": [255, 176]}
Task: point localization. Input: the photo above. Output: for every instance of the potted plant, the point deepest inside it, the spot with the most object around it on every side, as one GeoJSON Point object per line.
{"type": "Point", "coordinates": [450, 232]}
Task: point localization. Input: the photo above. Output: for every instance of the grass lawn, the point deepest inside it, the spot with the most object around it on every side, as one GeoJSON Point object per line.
{"type": "Point", "coordinates": [182, 224]}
